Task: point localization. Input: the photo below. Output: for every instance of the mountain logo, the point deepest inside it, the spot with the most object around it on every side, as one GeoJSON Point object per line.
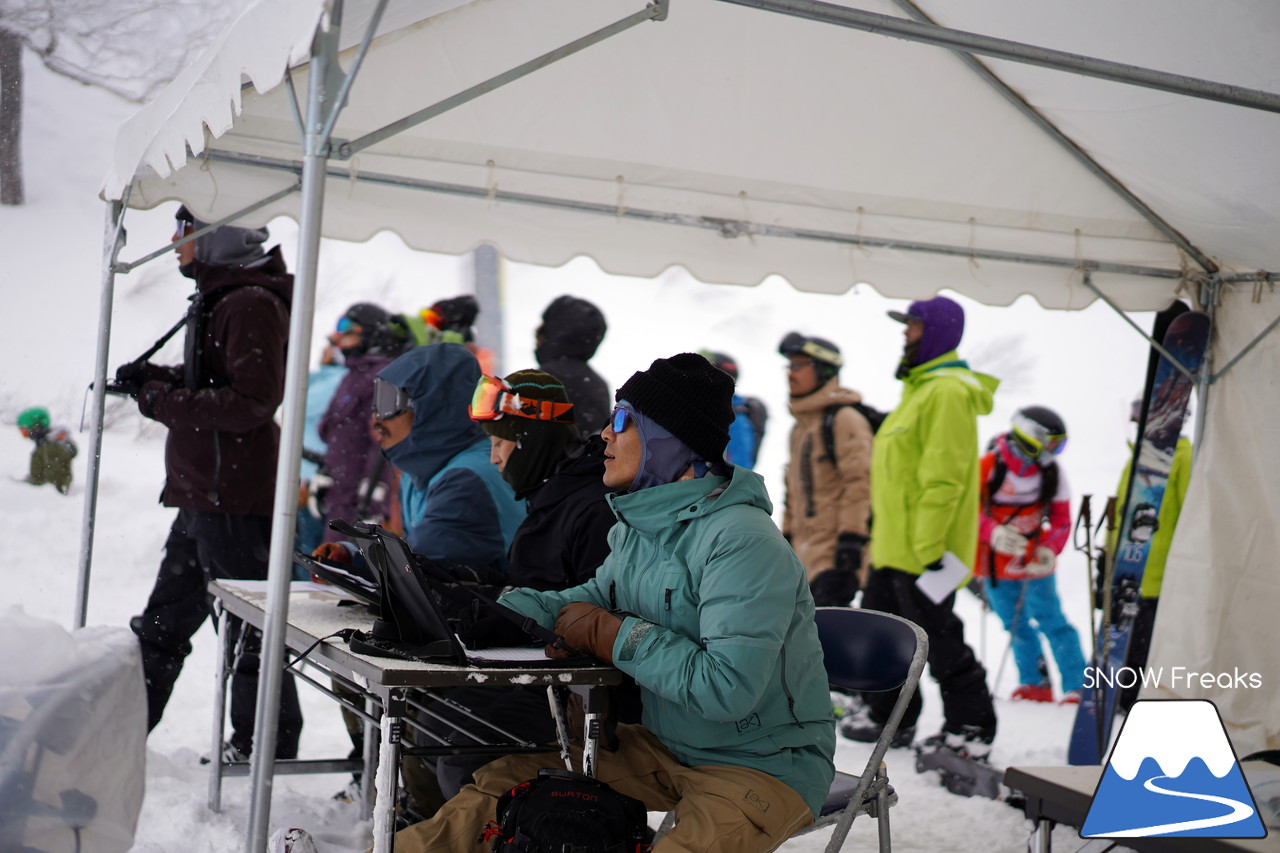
{"type": "Point", "coordinates": [1173, 773]}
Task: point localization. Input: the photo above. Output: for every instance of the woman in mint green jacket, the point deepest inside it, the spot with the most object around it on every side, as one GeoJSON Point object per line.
{"type": "Point", "coordinates": [705, 605]}
{"type": "Point", "coordinates": [722, 642]}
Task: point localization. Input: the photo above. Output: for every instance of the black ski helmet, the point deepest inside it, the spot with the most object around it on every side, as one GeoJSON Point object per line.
{"type": "Point", "coordinates": [725, 362]}
{"type": "Point", "coordinates": [1039, 432]}
{"type": "Point", "coordinates": [381, 333]}
{"type": "Point", "coordinates": [826, 355]}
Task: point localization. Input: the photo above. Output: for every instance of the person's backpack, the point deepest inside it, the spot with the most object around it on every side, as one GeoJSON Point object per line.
{"type": "Point", "coordinates": [561, 810]}
{"type": "Point", "coordinates": [758, 415]}
{"type": "Point", "coordinates": [1048, 479]}
{"type": "Point", "coordinates": [874, 416]}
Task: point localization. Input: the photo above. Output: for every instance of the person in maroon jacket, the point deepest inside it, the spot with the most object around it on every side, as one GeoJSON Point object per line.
{"type": "Point", "coordinates": [220, 460]}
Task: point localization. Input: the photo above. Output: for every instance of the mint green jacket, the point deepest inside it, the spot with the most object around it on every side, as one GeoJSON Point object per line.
{"type": "Point", "coordinates": [924, 467]}
{"type": "Point", "coordinates": [722, 640]}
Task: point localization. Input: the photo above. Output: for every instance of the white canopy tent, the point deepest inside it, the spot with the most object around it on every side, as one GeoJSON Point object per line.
{"type": "Point", "coordinates": [739, 144]}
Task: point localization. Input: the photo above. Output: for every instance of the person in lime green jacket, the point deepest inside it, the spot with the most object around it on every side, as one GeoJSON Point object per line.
{"type": "Point", "coordinates": [1175, 492]}
{"type": "Point", "coordinates": [924, 505]}
{"type": "Point", "coordinates": [706, 606]}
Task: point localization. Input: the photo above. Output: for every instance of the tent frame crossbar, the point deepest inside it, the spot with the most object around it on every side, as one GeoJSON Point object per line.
{"type": "Point", "coordinates": [130, 266]}
{"type": "Point", "coordinates": [1059, 60]}
{"type": "Point", "coordinates": [728, 228]}
{"type": "Point", "coordinates": [653, 11]}
{"type": "Point", "coordinates": [1157, 345]}
{"type": "Point", "coordinates": [1211, 299]}
{"type": "Point", "coordinates": [1067, 144]}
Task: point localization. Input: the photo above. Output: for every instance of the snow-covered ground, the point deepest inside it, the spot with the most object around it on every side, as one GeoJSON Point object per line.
{"type": "Point", "coordinates": [1085, 364]}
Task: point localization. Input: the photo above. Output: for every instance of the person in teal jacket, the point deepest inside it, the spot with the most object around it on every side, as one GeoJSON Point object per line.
{"type": "Point", "coordinates": [924, 502]}
{"type": "Point", "coordinates": [454, 505]}
{"type": "Point", "coordinates": [705, 605]}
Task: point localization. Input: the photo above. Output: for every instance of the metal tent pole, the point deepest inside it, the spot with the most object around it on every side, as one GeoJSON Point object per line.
{"type": "Point", "coordinates": [727, 228]}
{"type": "Point", "coordinates": [1045, 57]}
{"type": "Point", "coordinates": [280, 567]}
{"type": "Point", "coordinates": [486, 276]}
{"type": "Point", "coordinates": [113, 239]}
{"type": "Point", "coordinates": [1067, 144]}
{"type": "Point", "coordinates": [326, 92]}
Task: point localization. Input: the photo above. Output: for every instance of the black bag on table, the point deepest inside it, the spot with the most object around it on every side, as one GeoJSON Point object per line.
{"type": "Point", "coordinates": [560, 811]}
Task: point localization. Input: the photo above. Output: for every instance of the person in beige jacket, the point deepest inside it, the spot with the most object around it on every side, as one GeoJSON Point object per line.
{"type": "Point", "coordinates": [827, 507]}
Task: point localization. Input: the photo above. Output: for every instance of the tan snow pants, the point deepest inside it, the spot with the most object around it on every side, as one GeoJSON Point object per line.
{"type": "Point", "coordinates": [718, 808]}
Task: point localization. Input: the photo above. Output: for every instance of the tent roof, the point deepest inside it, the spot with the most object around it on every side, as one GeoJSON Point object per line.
{"type": "Point", "coordinates": [713, 138]}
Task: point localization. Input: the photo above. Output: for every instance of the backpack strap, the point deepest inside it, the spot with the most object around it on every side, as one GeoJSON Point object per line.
{"type": "Point", "coordinates": [874, 417]}
{"type": "Point", "coordinates": [197, 316]}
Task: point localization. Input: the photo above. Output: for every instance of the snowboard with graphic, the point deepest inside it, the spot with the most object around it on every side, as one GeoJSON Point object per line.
{"type": "Point", "coordinates": [1165, 409]}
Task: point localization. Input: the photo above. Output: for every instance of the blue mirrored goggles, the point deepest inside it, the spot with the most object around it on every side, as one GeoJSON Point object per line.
{"type": "Point", "coordinates": [389, 400]}
{"type": "Point", "coordinates": [346, 324]}
{"type": "Point", "coordinates": [619, 420]}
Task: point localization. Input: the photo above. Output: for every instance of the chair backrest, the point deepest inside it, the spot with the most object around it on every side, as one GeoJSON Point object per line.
{"type": "Point", "coordinates": [866, 649]}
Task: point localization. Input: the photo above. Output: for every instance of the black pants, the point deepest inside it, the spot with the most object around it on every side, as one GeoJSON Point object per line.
{"type": "Point", "coordinates": [961, 677]}
{"type": "Point", "coordinates": [203, 546]}
{"type": "Point", "coordinates": [1139, 647]}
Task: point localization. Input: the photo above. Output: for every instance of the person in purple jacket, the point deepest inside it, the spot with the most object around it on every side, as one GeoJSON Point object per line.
{"type": "Point", "coordinates": [354, 484]}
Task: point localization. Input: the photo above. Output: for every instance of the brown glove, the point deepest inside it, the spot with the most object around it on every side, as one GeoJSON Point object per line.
{"type": "Point", "coordinates": [586, 626]}
{"type": "Point", "coordinates": [332, 552]}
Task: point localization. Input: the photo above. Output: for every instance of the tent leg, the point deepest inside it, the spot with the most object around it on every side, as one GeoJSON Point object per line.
{"type": "Point", "coordinates": [112, 241]}
{"type": "Point", "coordinates": [280, 567]}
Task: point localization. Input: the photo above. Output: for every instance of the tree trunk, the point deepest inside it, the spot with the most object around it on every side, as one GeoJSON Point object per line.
{"type": "Point", "coordinates": [10, 118]}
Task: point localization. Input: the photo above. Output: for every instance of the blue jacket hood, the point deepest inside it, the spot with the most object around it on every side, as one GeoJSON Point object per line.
{"type": "Point", "coordinates": [440, 379]}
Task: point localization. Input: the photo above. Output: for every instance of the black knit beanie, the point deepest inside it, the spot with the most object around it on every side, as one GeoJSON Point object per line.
{"type": "Point", "coordinates": [690, 397]}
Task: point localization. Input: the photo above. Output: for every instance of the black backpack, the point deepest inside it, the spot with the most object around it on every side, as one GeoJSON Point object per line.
{"type": "Point", "coordinates": [874, 416]}
{"type": "Point", "coordinates": [561, 811]}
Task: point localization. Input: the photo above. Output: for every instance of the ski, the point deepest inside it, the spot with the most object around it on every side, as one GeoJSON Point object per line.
{"type": "Point", "coordinates": [1164, 408]}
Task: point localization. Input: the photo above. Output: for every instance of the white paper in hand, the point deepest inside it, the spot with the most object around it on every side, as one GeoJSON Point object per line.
{"type": "Point", "coordinates": [937, 585]}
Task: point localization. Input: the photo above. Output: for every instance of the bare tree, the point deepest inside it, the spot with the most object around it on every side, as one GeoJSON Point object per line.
{"type": "Point", "coordinates": [129, 47]}
{"type": "Point", "coordinates": [10, 118]}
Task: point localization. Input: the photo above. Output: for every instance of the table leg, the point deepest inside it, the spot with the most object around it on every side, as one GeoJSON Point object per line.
{"type": "Point", "coordinates": [557, 697]}
{"type": "Point", "coordinates": [1041, 840]}
{"type": "Point", "coordinates": [384, 807]}
{"type": "Point", "coordinates": [219, 714]}
{"type": "Point", "coordinates": [372, 746]}
{"type": "Point", "coordinates": [592, 729]}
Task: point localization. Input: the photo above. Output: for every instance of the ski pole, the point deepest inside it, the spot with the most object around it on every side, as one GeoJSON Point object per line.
{"type": "Point", "coordinates": [1102, 650]}
{"type": "Point", "coordinates": [1013, 626]}
{"type": "Point", "coordinates": [1085, 520]}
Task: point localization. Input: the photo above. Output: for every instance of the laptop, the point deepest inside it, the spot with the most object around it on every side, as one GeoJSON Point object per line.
{"type": "Point", "coordinates": [412, 624]}
{"type": "Point", "coordinates": [357, 586]}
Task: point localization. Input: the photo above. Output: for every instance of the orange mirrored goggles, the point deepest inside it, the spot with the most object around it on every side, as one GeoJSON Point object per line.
{"type": "Point", "coordinates": [494, 398]}
{"type": "Point", "coordinates": [431, 318]}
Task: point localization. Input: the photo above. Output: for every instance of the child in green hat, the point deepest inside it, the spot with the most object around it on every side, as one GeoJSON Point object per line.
{"type": "Point", "coordinates": [51, 459]}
